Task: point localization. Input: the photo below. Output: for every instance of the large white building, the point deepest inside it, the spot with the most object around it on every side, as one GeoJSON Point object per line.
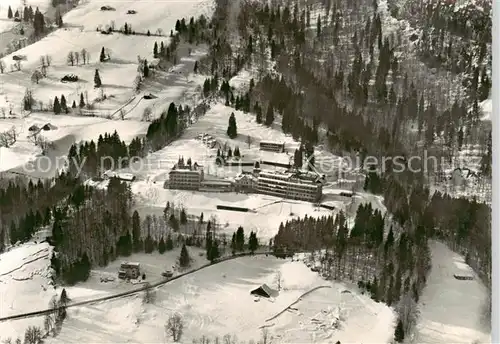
{"type": "Point", "coordinates": [272, 146]}
{"type": "Point", "coordinates": [288, 185]}
{"type": "Point", "coordinates": [185, 176]}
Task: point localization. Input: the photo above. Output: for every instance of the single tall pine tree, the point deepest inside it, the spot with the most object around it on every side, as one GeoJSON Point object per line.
{"type": "Point", "coordinates": [269, 115]}
{"type": "Point", "coordinates": [232, 130]}
{"type": "Point", "coordinates": [155, 50]}
{"type": "Point", "coordinates": [184, 259]}
{"type": "Point", "coordinates": [399, 334]}
{"type": "Point", "coordinates": [57, 106]}
{"type": "Point", "coordinates": [9, 13]}
{"type": "Point", "coordinates": [102, 57]}
{"type": "Point", "coordinates": [64, 106]}
{"type": "Point", "coordinates": [97, 79]}
{"type": "Point", "coordinates": [82, 101]}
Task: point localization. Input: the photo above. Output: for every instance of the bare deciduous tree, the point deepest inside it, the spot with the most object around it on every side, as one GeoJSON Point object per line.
{"type": "Point", "coordinates": [48, 324]}
{"type": "Point", "coordinates": [8, 138]}
{"type": "Point", "coordinates": [146, 116]}
{"type": "Point", "coordinates": [71, 58]}
{"type": "Point", "coordinates": [175, 326]}
{"type": "Point", "coordinates": [264, 336]}
{"type": "Point", "coordinates": [2, 66]}
{"type": "Point", "coordinates": [137, 83]}
{"type": "Point", "coordinates": [77, 57]}
{"type": "Point", "coordinates": [122, 114]}
{"type": "Point", "coordinates": [33, 335]}
{"type": "Point", "coordinates": [36, 76]}
{"type": "Point", "coordinates": [278, 280]}
{"type": "Point", "coordinates": [149, 294]}
{"type": "Point", "coordinates": [84, 54]}
{"type": "Point", "coordinates": [42, 61]}
{"type": "Point", "coordinates": [408, 312]}
{"type": "Point", "coordinates": [48, 60]}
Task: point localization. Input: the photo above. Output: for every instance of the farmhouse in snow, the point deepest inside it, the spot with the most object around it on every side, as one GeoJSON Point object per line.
{"type": "Point", "coordinates": [129, 271]}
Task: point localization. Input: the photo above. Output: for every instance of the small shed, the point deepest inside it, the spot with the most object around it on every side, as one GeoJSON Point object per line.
{"type": "Point", "coordinates": [49, 126]}
{"type": "Point", "coordinates": [264, 290]}
{"type": "Point", "coordinates": [34, 127]}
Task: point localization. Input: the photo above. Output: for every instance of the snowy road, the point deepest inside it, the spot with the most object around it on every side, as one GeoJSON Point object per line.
{"type": "Point", "coordinates": [451, 309]}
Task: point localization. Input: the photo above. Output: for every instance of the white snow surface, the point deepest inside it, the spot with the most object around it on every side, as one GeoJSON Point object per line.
{"type": "Point", "coordinates": [451, 309]}
{"type": "Point", "coordinates": [487, 108]}
{"type": "Point", "coordinates": [25, 286]}
{"type": "Point", "coordinates": [79, 33]}
{"type": "Point", "coordinates": [216, 301]}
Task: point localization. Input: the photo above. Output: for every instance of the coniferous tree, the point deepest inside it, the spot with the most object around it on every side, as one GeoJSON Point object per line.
{"type": "Point", "coordinates": [162, 246]}
{"type": "Point", "coordinates": [64, 106]}
{"type": "Point", "coordinates": [269, 115]}
{"type": "Point", "coordinates": [102, 56]}
{"type": "Point", "coordinates": [136, 232]}
{"type": "Point", "coordinates": [399, 334]}
{"type": "Point", "coordinates": [240, 239]}
{"type": "Point", "coordinates": [258, 113]}
{"type": "Point", "coordinates": [9, 13]}
{"type": "Point", "coordinates": [232, 130]}
{"type": "Point", "coordinates": [169, 244]}
{"type": "Point", "coordinates": [57, 106]}
{"type": "Point", "coordinates": [82, 101]}
{"type": "Point", "coordinates": [184, 259]}
{"type": "Point", "coordinates": [26, 14]}
{"type": "Point", "coordinates": [97, 79]}
{"type": "Point", "coordinates": [195, 69]}
{"type": "Point", "coordinates": [155, 50]}
{"type": "Point", "coordinates": [253, 242]}
{"type": "Point", "coordinates": [183, 217]}
{"type": "Point", "coordinates": [145, 71]}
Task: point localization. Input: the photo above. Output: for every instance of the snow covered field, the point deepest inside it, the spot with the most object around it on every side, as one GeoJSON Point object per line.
{"type": "Point", "coordinates": [216, 301]}
{"type": "Point", "coordinates": [76, 128]}
{"type": "Point", "coordinates": [265, 220]}
{"type": "Point", "coordinates": [451, 309]}
{"type": "Point", "coordinates": [117, 74]}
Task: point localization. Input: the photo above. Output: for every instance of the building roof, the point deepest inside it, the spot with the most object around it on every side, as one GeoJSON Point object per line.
{"type": "Point", "coordinates": [264, 288]}
{"type": "Point", "coordinates": [272, 143]}
{"type": "Point", "coordinates": [216, 182]}
{"type": "Point", "coordinates": [131, 264]}
{"type": "Point", "coordinates": [122, 176]}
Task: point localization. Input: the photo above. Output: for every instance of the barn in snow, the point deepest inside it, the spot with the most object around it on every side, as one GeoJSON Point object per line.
{"type": "Point", "coordinates": [264, 291]}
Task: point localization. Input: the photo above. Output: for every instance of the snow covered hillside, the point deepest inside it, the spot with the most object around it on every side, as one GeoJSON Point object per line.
{"type": "Point", "coordinates": [25, 286]}
{"type": "Point", "coordinates": [451, 309]}
{"type": "Point", "coordinates": [217, 300]}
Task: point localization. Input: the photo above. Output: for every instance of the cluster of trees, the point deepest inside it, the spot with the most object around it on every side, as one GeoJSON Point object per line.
{"type": "Point", "coordinates": [238, 241]}
{"type": "Point", "coordinates": [92, 159]}
{"type": "Point", "coordinates": [76, 222]}
{"type": "Point", "coordinates": [223, 154]}
{"type": "Point", "coordinates": [112, 152]}
{"type": "Point", "coordinates": [25, 206]}
{"type": "Point", "coordinates": [390, 269]}
{"type": "Point", "coordinates": [362, 117]}
{"type": "Point", "coordinates": [30, 16]}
